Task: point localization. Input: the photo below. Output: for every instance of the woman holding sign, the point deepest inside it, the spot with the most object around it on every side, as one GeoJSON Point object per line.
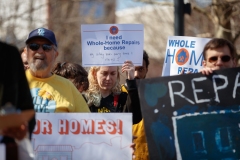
{"type": "Point", "coordinates": [104, 93]}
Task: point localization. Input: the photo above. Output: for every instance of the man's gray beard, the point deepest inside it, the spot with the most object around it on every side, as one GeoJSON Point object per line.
{"type": "Point", "coordinates": [37, 67]}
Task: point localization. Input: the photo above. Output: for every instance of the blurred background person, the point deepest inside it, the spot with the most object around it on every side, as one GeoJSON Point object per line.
{"type": "Point", "coordinates": [23, 53]}
{"type": "Point", "coordinates": [15, 93]}
{"type": "Point", "coordinates": [74, 72]}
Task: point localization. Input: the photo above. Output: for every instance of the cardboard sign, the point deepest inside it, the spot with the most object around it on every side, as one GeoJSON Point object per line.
{"type": "Point", "coordinates": [183, 53]}
{"type": "Point", "coordinates": [192, 116]}
{"type": "Point", "coordinates": [81, 136]}
{"type": "Point", "coordinates": [111, 44]}
{"type": "Point", "coordinates": [2, 151]}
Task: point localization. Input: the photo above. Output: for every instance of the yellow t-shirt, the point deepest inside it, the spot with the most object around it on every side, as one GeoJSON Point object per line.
{"type": "Point", "coordinates": [141, 148]}
{"type": "Point", "coordinates": [55, 94]}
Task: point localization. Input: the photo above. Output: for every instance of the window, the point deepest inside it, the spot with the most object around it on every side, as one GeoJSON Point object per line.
{"type": "Point", "coordinates": [223, 139]}
{"type": "Point", "coordinates": [199, 142]}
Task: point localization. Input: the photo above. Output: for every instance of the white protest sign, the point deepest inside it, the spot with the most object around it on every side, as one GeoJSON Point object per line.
{"type": "Point", "coordinates": [83, 136]}
{"type": "Point", "coordinates": [183, 53]}
{"type": "Point", "coordinates": [2, 152]}
{"type": "Point", "coordinates": [111, 44]}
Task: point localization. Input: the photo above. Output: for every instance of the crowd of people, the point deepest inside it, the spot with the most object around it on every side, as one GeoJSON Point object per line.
{"type": "Point", "coordinates": [68, 87]}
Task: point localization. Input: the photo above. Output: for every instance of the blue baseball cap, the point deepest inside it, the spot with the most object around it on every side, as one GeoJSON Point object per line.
{"type": "Point", "coordinates": [43, 33]}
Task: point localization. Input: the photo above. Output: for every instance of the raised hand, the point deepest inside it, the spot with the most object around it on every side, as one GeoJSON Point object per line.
{"type": "Point", "coordinates": [129, 68]}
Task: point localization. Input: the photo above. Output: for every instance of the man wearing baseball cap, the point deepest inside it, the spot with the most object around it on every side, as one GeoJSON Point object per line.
{"type": "Point", "coordinates": [50, 92]}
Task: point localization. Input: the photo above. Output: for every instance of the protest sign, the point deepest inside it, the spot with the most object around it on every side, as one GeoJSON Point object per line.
{"type": "Point", "coordinates": [81, 136]}
{"type": "Point", "coordinates": [111, 44]}
{"type": "Point", "coordinates": [2, 152]}
{"type": "Point", "coordinates": [192, 116]}
{"type": "Point", "coordinates": [183, 53]}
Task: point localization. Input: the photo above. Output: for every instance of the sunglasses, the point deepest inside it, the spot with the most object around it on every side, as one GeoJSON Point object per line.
{"type": "Point", "coordinates": [223, 59]}
{"type": "Point", "coordinates": [35, 47]}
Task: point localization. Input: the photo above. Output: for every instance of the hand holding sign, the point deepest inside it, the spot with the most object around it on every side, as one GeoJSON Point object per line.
{"type": "Point", "coordinates": [15, 124]}
{"type": "Point", "coordinates": [18, 132]}
{"type": "Point", "coordinates": [129, 68]}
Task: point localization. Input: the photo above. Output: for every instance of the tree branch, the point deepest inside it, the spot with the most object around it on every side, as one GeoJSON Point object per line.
{"type": "Point", "coordinates": [236, 37]}
{"type": "Point", "coordinates": [232, 2]}
{"type": "Point", "coordinates": [154, 2]}
{"type": "Point", "coordinates": [204, 12]}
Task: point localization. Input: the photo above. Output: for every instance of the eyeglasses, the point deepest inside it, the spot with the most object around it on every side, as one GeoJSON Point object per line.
{"type": "Point", "coordinates": [225, 58]}
{"type": "Point", "coordinates": [35, 47]}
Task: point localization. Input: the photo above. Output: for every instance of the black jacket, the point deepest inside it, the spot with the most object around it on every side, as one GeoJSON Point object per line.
{"type": "Point", "coordinates": [127, 102]}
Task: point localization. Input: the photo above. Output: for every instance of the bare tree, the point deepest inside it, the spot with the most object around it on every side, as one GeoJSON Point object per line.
{"type": "Point", "coordinates": [224, 15]}
{"type": "Point", "coordinates": [64, 17]}
{"type": "Point", "coordinates": [17, 18]}
{"type": "Point", "coordinates": [219, 18]}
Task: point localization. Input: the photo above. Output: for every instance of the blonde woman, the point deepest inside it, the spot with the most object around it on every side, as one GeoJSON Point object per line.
{"type": "Point", "coordinates": [104, 95]}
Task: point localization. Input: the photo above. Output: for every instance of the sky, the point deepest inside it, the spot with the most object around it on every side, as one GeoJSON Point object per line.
{"type": "Point", "coordinates": [123, 4]}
